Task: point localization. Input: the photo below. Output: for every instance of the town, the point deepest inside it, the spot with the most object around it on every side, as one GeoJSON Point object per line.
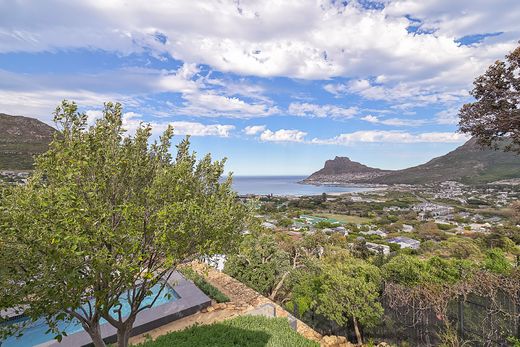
{"type": "Point", "coordinates": [399, 217]}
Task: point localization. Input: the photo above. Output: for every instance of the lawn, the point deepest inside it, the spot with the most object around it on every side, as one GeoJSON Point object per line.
{"type": "Point", "coordinates": [254, 331]}
{"type": "Point", "coordinates": [345, 218]}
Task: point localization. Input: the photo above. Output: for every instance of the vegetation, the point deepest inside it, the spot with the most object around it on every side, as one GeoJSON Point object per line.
{"type": "Point", "coordinates": [22, 138]}
{"type": "Point", "coordinates": [260, 263]}
{"type": "Point", "coordinates": [107, 216]}
{"type": "Point", "coordinates": [349, 290]}
{"type": "Point", "coordinates": [208, 289]}
{"type": "Point", "coordinates": [345, 218]}
{"type": "Point", "coordinates": [494, 115]}
{"type": "Point", "coordinates": [254, 331]}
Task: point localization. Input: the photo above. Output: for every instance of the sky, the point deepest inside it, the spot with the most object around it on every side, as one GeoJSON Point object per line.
{"type": "Point", "coordinates": [275, 86]}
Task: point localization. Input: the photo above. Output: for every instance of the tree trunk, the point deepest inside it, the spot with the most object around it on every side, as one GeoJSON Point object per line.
{"type": "Point", "coordinates": [95, 334]}
{"type": "Point", "coordinates": [278, 286]}
{"type": "Point", "coordinates": [358, 333]}
{"type": "Point", "coordinates": [123, 335]}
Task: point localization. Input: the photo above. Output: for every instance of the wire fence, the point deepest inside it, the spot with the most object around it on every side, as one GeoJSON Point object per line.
{"type": "Point", "coordinates": [474, 320]}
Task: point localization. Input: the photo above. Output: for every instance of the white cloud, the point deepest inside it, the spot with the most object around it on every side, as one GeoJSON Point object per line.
{"type": "Point", "coordinates": [403, 95]}
{"type": "Point", "coordinates": [394, 121]}
{"type": "Point", "coordinates": [210, 104]}
{"type": "Point", "coordinates": [460, 18]}
{"type": "Point", "coordinates": [131, 121]}
{"type": "Point", "coordinates": [303, 39]}
{"type": "Point", "coordinates": [283, 135]}
{"type": "Point", "coordinates": [448, 116]}
{"type": "Point", "coordinates": [392, 137]}
{"type": "Point", "coordinates": [321, 111]}
{"type": "Point", "coordinates": [371, 49]}
{"type": "Point", "coordinates": [41, 103]}
{"type": "Point", "coordinates": [254, 129]}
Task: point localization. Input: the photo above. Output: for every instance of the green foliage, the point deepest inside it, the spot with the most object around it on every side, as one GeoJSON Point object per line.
{"type": "Point", "coordinates": [405, 269]}
{"type": "Point", "coordinates": [350, 289]}
{"type": "Point", "coordinates": [105, 213]}
{"type": "Point", "coordinates": [360, 249]}
{"type": "Point", "coordinates": [260, 263]}
{"type": "Point", "coordinates": [445, 227]}
{"type": "Point", "coordinates": [254, 331]}
{"type": "Point", "coordinates": [461, 248]}
{"type": "Point", "coordinates": [305, 286]}
{"type": "Point", "coordinates": [411, 271]}
{"type": "Point", "coordinates": [515, 342]}
{"type": "Point", "coordinates": [326, 224]}
{"type": "Point", "coordinates": [204, 285]}
{"type": "Point", "coordinates": [497, 262]}
{"type": "Point", "coordinates": [285, 222]}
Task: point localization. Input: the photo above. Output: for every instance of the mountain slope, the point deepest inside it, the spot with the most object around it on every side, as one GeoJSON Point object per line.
{"type": "Point", "coordinates": [342, 169]}
{"type": "Point", "coordinates": [468, 163]}
{"type": "Point", "coordinates": [20, 139]}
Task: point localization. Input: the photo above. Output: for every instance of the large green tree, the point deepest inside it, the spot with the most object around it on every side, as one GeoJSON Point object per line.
{"type": "Point", "coordinates": [495, 115]}
{"type": "Point", "coordinates": [349, 291]}
{"type": "Point", "coordinates": [107, 216]}
{"type": "Point", "coordinates": [260, 263]}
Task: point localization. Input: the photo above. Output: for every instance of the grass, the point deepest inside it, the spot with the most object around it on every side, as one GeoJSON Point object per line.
{"type": "Point", "coordinates": [345, 218]}
{"type": "Point", "coordinates": [251, 331]}
{"type": "Point", "coordinates": [204, 285]}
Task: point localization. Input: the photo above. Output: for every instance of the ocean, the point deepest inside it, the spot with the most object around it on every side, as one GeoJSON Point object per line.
{"type": "Point", "coordinates": [284, 185]}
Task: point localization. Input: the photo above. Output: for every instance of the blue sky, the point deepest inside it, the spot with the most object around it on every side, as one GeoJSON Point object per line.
{"type": "Point", "coordinates": [277, 87]}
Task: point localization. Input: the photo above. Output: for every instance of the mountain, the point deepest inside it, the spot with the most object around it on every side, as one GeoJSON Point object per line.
{"type": "Point", "coordinates": [343, 170]}
{"type": "Point", "coordinates": [20, 139]}
{"type": "Point", "coordinates": [469, 163]}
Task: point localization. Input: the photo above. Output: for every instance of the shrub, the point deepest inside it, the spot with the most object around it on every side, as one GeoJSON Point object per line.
{"type": "Point", "coordinates": [203, 285]}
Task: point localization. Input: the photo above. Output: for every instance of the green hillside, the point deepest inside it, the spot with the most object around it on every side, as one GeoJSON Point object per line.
{"type": "Point", "coordinates": [21, 138]}
{"type": "Point", "coordinates": [469, 163]}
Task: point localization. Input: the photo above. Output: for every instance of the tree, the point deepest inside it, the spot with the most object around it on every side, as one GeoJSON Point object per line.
{"type": "Point", "coordinates": [495, 114]}
{"type": "Point", "coordinates": [359, 248]}
{"type": "Point", "coordinates": [349, 291]}
{"type": "Point", "coordinates": [260, 263]}
{"type": "Point", "coordinates": [105, 217]}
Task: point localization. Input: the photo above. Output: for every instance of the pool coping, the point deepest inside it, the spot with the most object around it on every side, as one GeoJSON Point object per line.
{"type": "Point", "coordinates": [191, 300]}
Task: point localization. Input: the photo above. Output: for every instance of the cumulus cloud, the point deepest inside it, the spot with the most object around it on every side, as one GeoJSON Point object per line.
{"type": "Point", "coordinates": [283, 135]}
{"type": "Point", "coordinates": [392, 137]}
{"type": "Point", "coordinates": [317, 40]}
{"type": "Point", "coordinates": [393, 121]}
{"type": "Point", "coordinates": [131, 121]}
{"type": "Point", "coordinates": [321, 111]}
{"type": "Point", "coordinates": [402, 95]}
{"type": "Point", "coordinates": [210, 104]}
{"type": "Point", "coordinates": [254, 129]}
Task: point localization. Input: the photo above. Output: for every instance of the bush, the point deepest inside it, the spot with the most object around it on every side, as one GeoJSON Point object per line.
{"type": "Point", "coordinates": [251, 331]}
{"type": "Point", "coordinates": [203, 285]}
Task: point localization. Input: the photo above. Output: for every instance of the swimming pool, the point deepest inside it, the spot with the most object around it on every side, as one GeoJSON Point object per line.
{"type": "Point", "coordinates": [36, 333]}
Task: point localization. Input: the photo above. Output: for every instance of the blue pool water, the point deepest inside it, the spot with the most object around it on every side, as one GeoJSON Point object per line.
{"type": "Point", "coordinates": [34, 334]}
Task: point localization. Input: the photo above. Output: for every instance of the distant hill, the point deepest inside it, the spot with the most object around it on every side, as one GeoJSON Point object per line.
{"type": "Point", "coordinates": [344, 170]}
{"type": "Point", "coordinates": [469, 163]}
{"type": "Point", "coordinates": [21, 138]}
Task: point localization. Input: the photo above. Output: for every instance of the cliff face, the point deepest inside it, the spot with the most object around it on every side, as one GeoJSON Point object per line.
{"type": "Point", "coordinates": [468, 163]}
{"type": "Point", "coordinates": [21, 138]}
{"type": "Point", "coordinates": [344, 170]}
